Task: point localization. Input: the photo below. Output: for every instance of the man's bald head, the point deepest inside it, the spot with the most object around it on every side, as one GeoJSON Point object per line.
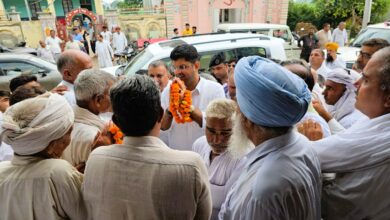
{"type": "Point", "coordinates": [71, 63]}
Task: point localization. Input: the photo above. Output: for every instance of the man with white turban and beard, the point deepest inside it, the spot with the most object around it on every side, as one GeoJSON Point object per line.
{"type": "Point", "coordinates": [36, 184]}
{"type": "Point", "coordinates": [281, 176]}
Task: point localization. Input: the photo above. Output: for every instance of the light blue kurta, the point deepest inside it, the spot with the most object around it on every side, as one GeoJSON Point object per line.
{"type": "Point", "coordinates": [281, 180]}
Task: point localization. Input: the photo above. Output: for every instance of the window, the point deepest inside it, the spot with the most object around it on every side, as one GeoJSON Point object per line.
{"type": "Point", "coordinates": [205, 58]}
{"type": "Point", "coordinates": [251, 51]}
{"type": "Point", "coordinates": [15, 68]}
{"type": "Point", "coordinates": [86, 4]}
{"type": "Point", "coordinates": [67, 5]}
{"type": "Point", "coordinates": [35, 7]}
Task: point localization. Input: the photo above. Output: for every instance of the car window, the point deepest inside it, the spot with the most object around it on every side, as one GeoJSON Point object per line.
{"type": "Point", "coordinates": [370, 33]}
{"type": "Point", "coordinates": [250, 51]}
{"type": "Point", "coordinates": [138, 62]}
{"type": "Point", "coordinates": [16, 68]}
{"type": "Point", "coordinates": [282, 33]}
{"type": "Point", "coordinates": [205, 58]}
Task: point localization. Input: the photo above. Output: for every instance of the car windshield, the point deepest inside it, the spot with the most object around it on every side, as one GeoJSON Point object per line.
{"type": "Point", "coordinates": [369, 33]}
{"type": "Point", "coordinates": [138, 62]}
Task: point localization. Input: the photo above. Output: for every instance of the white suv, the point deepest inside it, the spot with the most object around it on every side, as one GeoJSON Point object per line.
{"type": "Point", "coordinates": [233, 45]}
{"type": "Point", "coordinates": [350, 54]}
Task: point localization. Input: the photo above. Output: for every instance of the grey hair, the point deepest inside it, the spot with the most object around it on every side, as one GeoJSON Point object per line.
{"type": "Point", "coordinates": [221, 109]}
{"type": "Point", "coordinates": [65, 60]}
{"type": "Point", "coordinates": [92, 82]}
{"type": "Point", "coordinates": [158, 63]}
{"type": "Point", "coordinates": [383, 56]}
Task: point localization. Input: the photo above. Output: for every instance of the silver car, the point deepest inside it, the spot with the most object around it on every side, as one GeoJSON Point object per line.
{"type": "Point", "coordinates": [13, 65]}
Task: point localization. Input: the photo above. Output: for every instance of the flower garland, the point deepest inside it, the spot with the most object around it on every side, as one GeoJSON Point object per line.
{"type": "Point", "coordinates": [180, 109]}
{"type": "Point", "coordinates": [116, 133]}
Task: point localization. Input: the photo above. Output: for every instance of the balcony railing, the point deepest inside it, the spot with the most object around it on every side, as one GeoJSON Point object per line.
{"type": "Point", "coordinates": [142, 11]}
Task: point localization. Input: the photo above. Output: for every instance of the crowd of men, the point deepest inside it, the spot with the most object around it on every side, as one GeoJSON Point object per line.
{"type": "Point", "coordinates": [103, 45]}
{"type": "Point", "coordinates": [267, 140]}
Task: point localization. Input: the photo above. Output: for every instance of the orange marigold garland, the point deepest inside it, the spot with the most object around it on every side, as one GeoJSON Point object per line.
{"type": "Point", "coordinates": [116, 133]}
{"type": "Point", "coordinates": [180, 109]}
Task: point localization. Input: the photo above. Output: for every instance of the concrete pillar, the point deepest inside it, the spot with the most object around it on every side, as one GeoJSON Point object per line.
{"type": "Point", "coordinates": [48, 22]}
{"type": "Point", "coordinates": [112, 18]}
{"type": "Point", "coordinates": [14, 15]}
{"type": "Point", "coordinates": [50, 7]}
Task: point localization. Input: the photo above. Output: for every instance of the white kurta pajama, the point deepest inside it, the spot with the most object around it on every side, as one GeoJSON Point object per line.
{"type": "Point", "coordinates": [221, 172]}
{"type": "Point", "coordinates": [281, 180]}
{"type": "Point", "coordinates": [360, 158]}
{"type": "Point", "coordinates": [104, 53]}
{"type": "Point", "coordinates": [86, 126]}
{"type": "Point", "coordinates": [34, 188]}
{"type": "Point", "coordinates": [182, 136]}
{"type": "Point", "coordinates": [344, 110]}
{"type": "Point", "coordinates": [144, 179]}
{"type": "Point", "coordinates": [119, 42]}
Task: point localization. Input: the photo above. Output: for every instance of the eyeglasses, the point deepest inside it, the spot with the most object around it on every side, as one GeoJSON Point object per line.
{"type": "Point", "coordinates": [364, 55]}
{"type": "Point", "coordinates": [181, 67]}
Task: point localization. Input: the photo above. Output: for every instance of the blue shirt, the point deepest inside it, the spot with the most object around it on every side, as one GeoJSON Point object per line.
{"type": "Point", "coordinates": [78, 37]}
{"type": "Point", "coordinates": [281, 180]}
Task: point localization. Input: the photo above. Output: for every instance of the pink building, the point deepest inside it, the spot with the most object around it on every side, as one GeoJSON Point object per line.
{"type": "Point", "coordinates": [207, 14]}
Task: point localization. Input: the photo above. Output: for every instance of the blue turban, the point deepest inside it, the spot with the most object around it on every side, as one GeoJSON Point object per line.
{"type": "Point", "coordinates": [268, 94]}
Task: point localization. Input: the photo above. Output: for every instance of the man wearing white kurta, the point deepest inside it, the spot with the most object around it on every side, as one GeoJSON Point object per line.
{"type": "Point", "coordinates": [107, 35]}
{"type": "Point", "coordinates": [92, 96]}
{"type": "Point", "coordinates": [213, 148]}
{"type": "Point", "coordinates": [340, 35]}
{"type": "Point", "coordinates": [36, 184]}
{"type": "Point", "coordinates": [70, 64]}
{"type": "Point", "coordinates": [104, 52]}
{"type": "Point", "coordinates": [143, 178]}
{"type": "Point", "coordinates": [119, 41]}
{"type": "Point", "coordinates": [281, 176]}
{"type": "Point", "coordinates": [44, 52]}
{"type": "Point", "coordinates": [360, 155]}
{"type": "Point", "coordinates": [340, 95]}
{"type": "Point", "coordinates": [54, 43]}
{"type": "Point", "coordinates": [185, 61]}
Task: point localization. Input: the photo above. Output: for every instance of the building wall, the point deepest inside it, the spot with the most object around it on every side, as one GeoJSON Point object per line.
{"type": "Point", "coordinates": [143, 26]}
{"type": "Point", "coordinates": [32, 31]}
{"type": "Point", "coordinates": [59, 8]}
{"type": "Point", "coordinates": [205, 13]}
{"type": "Point", "coordinates": [21, 6]}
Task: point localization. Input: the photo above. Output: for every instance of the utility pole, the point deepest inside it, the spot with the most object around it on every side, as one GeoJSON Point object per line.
{"type": "Point", "coordinates": [367, 13]}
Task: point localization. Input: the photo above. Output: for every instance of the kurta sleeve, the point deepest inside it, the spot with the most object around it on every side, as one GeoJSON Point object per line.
{"type": "Point", "coordinates": [204, 206]}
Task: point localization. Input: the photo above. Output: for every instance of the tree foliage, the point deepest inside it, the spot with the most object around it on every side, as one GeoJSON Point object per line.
{"type": "Point", "coordinates": [131, 4]}
{"type": "Point", "coordinates": [333, 11]}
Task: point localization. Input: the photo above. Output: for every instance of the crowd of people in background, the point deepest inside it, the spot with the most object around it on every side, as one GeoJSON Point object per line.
{"type": "Point", "coordinates": [263, 139]}
{"type": "Point", "coordinates": [104, 45]}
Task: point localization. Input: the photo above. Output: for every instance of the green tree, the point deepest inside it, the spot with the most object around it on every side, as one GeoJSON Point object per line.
{"type": "Point", "coordinates": [130, 4]}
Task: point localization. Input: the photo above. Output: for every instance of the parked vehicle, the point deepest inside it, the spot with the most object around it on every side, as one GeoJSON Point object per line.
{"type": "Point", "coordinates": [235, 45]}
{"type": "Point", "coordinates": [272, 30]}
{"type": "Point", "coordinates": [21, 48]}
{"type": "Point", "coordinates": [13, 65]}
{"type": "Point", "coordinates": [350, 54]}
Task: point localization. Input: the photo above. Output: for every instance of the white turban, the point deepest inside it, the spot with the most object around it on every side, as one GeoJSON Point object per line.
{"type": "Point", "coordinates": [346, 104]}
{"type": "Point", "coordinates": [52, 122]}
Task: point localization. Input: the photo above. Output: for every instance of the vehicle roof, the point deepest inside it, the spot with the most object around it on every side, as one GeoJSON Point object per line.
{"type": "Point", "coordinates": [384, 25]}
{"type": "Point", "coordinates": [32, 58]}
{"type": "Point", "coordinates": [217, 41]}
{"type": "Point", "coordinates": [250, 26]}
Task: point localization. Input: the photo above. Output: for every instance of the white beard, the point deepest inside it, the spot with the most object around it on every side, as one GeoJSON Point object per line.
{"type": "Point", "coordinates": [239, 143]}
